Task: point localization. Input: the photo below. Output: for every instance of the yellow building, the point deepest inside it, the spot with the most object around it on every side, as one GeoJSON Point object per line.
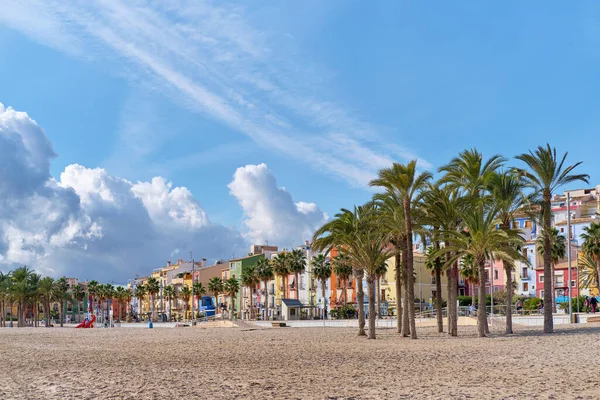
{"type": "Point", "coordinates": [424, 283]}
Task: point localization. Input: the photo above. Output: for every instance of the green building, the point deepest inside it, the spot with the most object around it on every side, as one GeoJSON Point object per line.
{"type": "Point", "coordinates": [236, 267]}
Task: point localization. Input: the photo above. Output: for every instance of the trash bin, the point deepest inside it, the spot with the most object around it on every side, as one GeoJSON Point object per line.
{"type": "Point", "coordinates": [574, 319]}
{"type": "Point", "coordinates": [150, 325]}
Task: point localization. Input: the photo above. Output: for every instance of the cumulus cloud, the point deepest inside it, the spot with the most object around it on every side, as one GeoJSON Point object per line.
{"type": "Point", "coordinates": [270, 213]}
{"type": "Point", "coordinates": [91, 224]}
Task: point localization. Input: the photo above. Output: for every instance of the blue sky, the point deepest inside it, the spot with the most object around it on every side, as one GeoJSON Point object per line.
{"type": "Point", "coordinates": [323, 93]}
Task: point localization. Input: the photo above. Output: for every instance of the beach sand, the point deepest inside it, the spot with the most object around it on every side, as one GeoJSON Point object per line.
{"type": "Point", "coordinates": [296, 363]}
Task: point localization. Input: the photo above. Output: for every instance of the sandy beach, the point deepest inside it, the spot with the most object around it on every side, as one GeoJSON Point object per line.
{"type": "Point", "coordinates": [295, 363]}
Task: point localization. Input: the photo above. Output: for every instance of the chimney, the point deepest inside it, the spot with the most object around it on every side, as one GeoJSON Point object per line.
{"type": "Point", "coordinates": [168, 263]}
{"type": "Point", "coordinates": [204, 262]}
{"type": "Point", "coordinates": [306, 242]}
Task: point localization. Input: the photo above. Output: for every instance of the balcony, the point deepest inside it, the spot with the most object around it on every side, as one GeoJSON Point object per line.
{"type": "Point", "coordinates": [524, 277]}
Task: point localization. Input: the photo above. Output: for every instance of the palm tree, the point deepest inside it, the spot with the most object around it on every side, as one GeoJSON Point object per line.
{"type": "Point", "coordinates": [139, 293]}
{"type": "Point", "coordinates": [468, 271]}
{"type": "Point", "coordinates": [322, 272]}
{"type": "Point", "coordinates": [264, 273]}
{"type": "Point", "coordinates": [231, 287]}
{"type": "Point", "coordinates": [591, 241]}
{"type": "Point", "coordinates": [46, 292]}
{"type": "Point", "coordinates": [380, 273]}
{"type": "Point", "coordinates": [589, 272]}
{"type": "Point", "coordinates": [5, 290]}
{"type": "Point", "coordinates": [506, 191]}
{"type": "Point", "coordinates": [215, 286]}
{"type": "Point", "coordinates": [482, 240]}
{"type": "Point", "coordinates": [281, 269]}
{"type": "Point", "coordinates": [78, 295]}
{"type": "Point", "coordinates": [466, 178]}
{"type": "Point", "coordinates": [341, 233]}
{"type": "Point", "coordinates": [169, 293]}
{"type": "Point", "coordinates": [391, 212]}
{"type": "Point", "coordinates": [545, 175]}
{"type": "Point", "coordinates": [434, 264]}
{"type": "Point", "coordinates": [153, 288]}
{"type": "Point", "coordinates": [407, 183]}
{"type": "Point", "coordinates": [343, 271]}
{"type": "Point", "coordinates": [120, 296]}
{"type": "Point", "coordinates": [127, 296]}
{"type": "Point", "coordinates": [198, 290]}
{"type": "Point", "coordinates": [61, 295]}
{"type": "Point", "coordinates": [250, 280]}
{"type": "Point", "coordinates": [34, 281]}
{"type": "Point", "coordinates": [297, 266]}
{"type": "Point", "coordinates": [185, 294]}
{"type": "Point", "coordinates": [558, 247]}
{"type": "Point", "coordinates": [21, 290]}
{"type": "Point", "coordinates": [93, 289]}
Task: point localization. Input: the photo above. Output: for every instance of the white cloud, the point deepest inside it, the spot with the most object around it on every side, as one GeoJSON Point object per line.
{"type": "Point", "coordinates": [270, 214]}
{"type": "Point", "coordinates": [91, 224]}
{"type": "Point", "coordinates": [208, 57]}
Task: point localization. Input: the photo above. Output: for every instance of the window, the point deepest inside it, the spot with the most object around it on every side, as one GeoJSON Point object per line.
{"type": "Point", "coordinates": [524, 273]}
{"type": "Point", "coordinates": [524, 252]}
{"type": "Point", "coordinates": [541, 278]}
{"type": "Point", "coordinates": [541, 293]}
{"type": "Point", "coordinates": [528, 224]}
{"type": "Point", "coordinates": [562, 230]}
{"type": "Point", "coordinates": [496, 274]}
{"type": "Point", "coordinates": [526, 287]}
{"type": "Point", "coordinates": [573, 284]}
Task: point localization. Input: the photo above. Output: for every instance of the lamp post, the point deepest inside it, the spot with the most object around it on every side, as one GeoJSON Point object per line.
{"type": "Point", "coordinates": [569, 255]}
{"type": "Point", "coordinates": [193, 299]}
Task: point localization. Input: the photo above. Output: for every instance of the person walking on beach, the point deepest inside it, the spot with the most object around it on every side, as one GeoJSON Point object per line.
{"type": "Point", "coordinates": [593, 304]}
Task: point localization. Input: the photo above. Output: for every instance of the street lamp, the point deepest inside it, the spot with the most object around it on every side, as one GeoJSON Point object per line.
{"type": "Point", "coordinates": [193, 299]}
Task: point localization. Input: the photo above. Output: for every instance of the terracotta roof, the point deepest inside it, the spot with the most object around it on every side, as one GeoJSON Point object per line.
{"type": "Point", "coordinates": [577, 221]}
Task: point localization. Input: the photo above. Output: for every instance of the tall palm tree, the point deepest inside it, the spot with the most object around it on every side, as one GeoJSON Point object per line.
{"type": "Point", "coordinates": [61, 295]}
{"type": "Point", "coordinates": [215, 286]}
{"type": "Point", "coordinates": [93, 288]}
{"type": "Point", "coordinates": [341, 233]}
{"type": "Point", "coordinates": [558, 246]}
{"type": "Point", "coordinates": [466, 178]}
{"type": "Point", "coordinates": [231, 287]}
{"type": "Point", "coordinates": [120, 297]}
{"type": "Point", "coordinates": [482, 240]}
{"type": "Point", "coordinates": [264, 273]}
{"type": "Point", "coordinates": [139, 293]}
{"type": "Point", "coordinates": [250, 280]}
{"type": "Point", "coordinates": [506, 191]}
{"type": "Point", "coordinates": [281, 269]}
{"type": "Point", "coordinates": [185, 294]}
{"type": "Point", "coordinates": [391, 212]}
{"type": "Point", "coordinates": [153, 288]}
{"type": "Point", "coordinates": [34, 281]}
{"type": "Point", "coordinates": [46, 292]}
{"type": "Point", "coordinates": [407, 183]}
{"type": "Point", "coordinates": [5, 290]}
{"type": "Point", "coordinates": [343, 271]}
{"type": "Point", "coordinates": [297, 266]}
{"type": "Point", "coordinates": [322, 272]}
{"type": "Point", "coordinates": [545, 174]}
{"type": "Point", "coordinates": [21, 290]}
{"type": "Point", "coordinates": [78, 295]}
{"type": "Point", "coordinates": [127, 296]}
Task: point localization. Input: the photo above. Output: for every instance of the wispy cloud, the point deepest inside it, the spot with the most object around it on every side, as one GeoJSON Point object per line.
{"type": "Point", "coordinates": [206, 56]}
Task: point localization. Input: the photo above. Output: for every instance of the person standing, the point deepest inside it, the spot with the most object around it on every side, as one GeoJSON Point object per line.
{"type": "Point", "coordinates": [593, 304]}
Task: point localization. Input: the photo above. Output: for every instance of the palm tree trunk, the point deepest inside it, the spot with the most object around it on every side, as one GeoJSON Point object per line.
{"type": "Point", "coordinates": [452, 297]}
{"type": "Point", "coordinates": [481, 310]}
{"type": "Point", "coordinates": [548, 284]}
{"type": "Point", "coordinates": [62, 309]}
{"type": "Point", "coordinates": [360, 298]}
{"type": "Point", "coordinates": [251, 308]}
{"type": "Point", "coordinates": [398, 293]}
{"type": "Point", "coordinates": [405, 312]}
{"type": "Point", "coordinates": [472, 293]}
{"type": "Point", "coordinates": [379, 297]}
{"type": "Point", "coordinates": [297, 286]}
{"type": "Point", "coordinates": [266, 300]}
{"type": "Point", "coordinates": [345, 291]}
{"type": "Point", "coordinates": [409, 262]}
{"type": "Point", "coordinates": [324, 301]}
{"type": "Point", "coordinates": [509, 294]}
{"type": "Point", "coordinates": [553, 294]}
{"type": "Point", "coordinates": [371, 287]}
{"type": "Point", "coordinates": [438, 298]}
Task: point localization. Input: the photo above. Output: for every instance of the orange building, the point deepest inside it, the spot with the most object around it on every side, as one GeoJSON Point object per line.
{"type": "Point", "coordinates": [337, 289]}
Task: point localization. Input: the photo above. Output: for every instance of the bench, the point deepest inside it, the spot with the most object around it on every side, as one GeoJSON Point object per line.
{"type": "Point", "coordinates": [278, 324]}
{"type": "Point", "coordinates": [593, 319]}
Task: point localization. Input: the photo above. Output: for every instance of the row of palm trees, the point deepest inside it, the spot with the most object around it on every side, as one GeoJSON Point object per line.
{"type": "Point", "coordinates": [28, 290]}
{"type": "Point", "coordinates": [467, 216]}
